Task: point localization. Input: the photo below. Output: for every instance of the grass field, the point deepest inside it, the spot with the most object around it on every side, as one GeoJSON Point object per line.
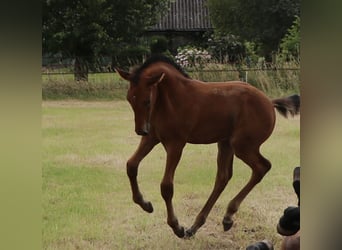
{"type": "Point", "coordinates": [87, 200]}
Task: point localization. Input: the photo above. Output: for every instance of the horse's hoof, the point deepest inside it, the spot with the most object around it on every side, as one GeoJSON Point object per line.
{"type": "Point", "coordinates": [227, 224]}
{"type": "Point", "coordinates": [148, 207]}
{"type": "Point", "coordinates": [284, 232]}
{"type": "Point", "coordinates": [261, 245]}
{"type": "Point", "coordinates": [189, 233]}
{"type": "Point", "coordinates": [180, 233]}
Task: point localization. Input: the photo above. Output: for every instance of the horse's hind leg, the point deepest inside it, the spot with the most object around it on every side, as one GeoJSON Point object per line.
{"type": "Point", "coordinates": [146, 145]}
{"type": "Point", "coordinates": [260, 166]}
{"type": "Point", "coordinates": [224, 173]}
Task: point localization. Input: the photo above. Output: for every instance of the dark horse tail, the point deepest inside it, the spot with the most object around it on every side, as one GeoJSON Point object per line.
{"type": "Point", "coordinates": [287, 105]}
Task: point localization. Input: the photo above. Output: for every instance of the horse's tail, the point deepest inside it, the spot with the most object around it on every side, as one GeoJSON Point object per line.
{"type": "Point", "coordinates": [287, 105]}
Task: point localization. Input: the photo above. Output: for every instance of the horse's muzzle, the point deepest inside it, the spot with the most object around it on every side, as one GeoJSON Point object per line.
{"type": "Point", "coordinates": [144, 130]}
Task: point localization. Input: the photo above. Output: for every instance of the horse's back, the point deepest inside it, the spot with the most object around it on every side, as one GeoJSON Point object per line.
{"type": "Point", "coordinates": [231, 109]}
{"type": "Point", "coordinates": [240, 99]}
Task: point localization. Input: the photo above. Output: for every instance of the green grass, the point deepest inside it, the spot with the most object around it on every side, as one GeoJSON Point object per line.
{"type": "Point", "coordinates": [103, 86]}
{"type": "Point", "coordinates": [87, 200]}
{"type": "Point", "coordinates": [94, 77]}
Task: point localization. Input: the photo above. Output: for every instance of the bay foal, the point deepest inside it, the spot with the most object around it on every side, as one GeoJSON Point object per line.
{"type": "Point", "coordinates": [173, 109]}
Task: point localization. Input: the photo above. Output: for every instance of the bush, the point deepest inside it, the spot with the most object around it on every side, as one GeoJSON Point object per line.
{"type": "Point", "coordinates": [192, 57]}
{"type": "Point", "coordinates": [226, 48]}
{"type": "Point", "coordinates": [158, 44]}
{"type": "Point", "coordinates": [290, 44]}
{"type": "Point", "coordinates": [129, 56]}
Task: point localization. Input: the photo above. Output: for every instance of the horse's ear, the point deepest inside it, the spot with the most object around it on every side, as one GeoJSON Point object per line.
{"type": "Point", "coordinates": [155, 79]}
{"type": "Point", "coordinates": [125, 75]}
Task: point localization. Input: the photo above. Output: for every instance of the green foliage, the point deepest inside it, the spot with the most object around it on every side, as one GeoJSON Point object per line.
{"type": "Point", "coordinates": [75, 28]}
{"type": "Point", "coordinates": [131, 17]}
{"type": "Point", "coordinates": [251, 54]}
{"type": "Point", "coordinates": [264, 22]}
{"type": "Point", "coordinates": [86, 29]}
{"type": "Point", "coordinates": [290, 44]}
{"type": "Point", "coordinates": [158, 44]}
{"type": "Point", "coordinates": [131, 55]}
{"type": "Point", "coordinates": [226, 47]}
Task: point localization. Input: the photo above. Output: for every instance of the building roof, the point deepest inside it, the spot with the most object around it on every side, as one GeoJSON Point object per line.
{"type": "Point", "coordinates": [185, 15]}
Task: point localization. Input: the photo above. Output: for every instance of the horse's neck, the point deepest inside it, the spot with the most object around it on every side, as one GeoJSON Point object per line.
{"type": "Point", "coordinates": [176, 86]}
{"type": "Point", "coordinates": [174, 91]}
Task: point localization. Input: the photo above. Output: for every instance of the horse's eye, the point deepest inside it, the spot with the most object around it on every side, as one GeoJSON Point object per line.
{"type": "Point", "coordinates": [133, 98]}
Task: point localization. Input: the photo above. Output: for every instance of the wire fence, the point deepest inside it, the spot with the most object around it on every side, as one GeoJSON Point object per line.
{"type": "Point", "coordinates": [59, 81]}
{"type": "Point", "coordinates": [58, 70]}
{"type": "Point", "coordinates": [64, 66]}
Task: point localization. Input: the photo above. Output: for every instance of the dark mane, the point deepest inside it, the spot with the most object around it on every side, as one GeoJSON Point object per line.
{"type": "Point", "coordinates": [155, 59]}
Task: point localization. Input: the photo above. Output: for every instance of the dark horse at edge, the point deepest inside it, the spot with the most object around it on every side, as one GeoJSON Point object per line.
{"type": "Point", "coordinates": [173, 109]}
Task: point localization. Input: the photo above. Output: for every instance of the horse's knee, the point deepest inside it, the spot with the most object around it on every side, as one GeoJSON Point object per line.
{"type": "Point", "coordinates": [166, 190]}
{"type": "Point", "coordinates": [225, 175]}
{"type": "Point", "coordinates": [132, 169]}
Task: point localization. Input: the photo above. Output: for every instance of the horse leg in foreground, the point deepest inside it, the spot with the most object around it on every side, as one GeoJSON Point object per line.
{"type": "Point", "coordinates": [174, 153]}
{"type": "Point", "coordinates": [223, 175]}
{"type": "Point", "coordinates": [146, 145]}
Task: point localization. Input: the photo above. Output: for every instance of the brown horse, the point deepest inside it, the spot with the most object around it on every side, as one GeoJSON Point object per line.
{"type": "Point", "coordinates": [171, 108]}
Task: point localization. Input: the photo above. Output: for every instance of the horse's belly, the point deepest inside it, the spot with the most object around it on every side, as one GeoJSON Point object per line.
{"type": "Point", "coordinates": [209, 133]}
{"type": "Point", "coordinates": [204, 140]}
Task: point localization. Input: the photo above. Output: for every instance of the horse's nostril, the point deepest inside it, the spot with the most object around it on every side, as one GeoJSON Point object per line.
{"type": "Point", "coordinates": [141, 132]}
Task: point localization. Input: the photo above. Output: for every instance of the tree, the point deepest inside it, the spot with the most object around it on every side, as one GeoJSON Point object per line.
{"type": "Point", "coordinates": [84, 29]}
{"type": "Point", "coordinates": [226, 47]}
{"type": "Point", "coordinates": [290, 44]}
{"type": "Point", "coordinates": [264, 22]}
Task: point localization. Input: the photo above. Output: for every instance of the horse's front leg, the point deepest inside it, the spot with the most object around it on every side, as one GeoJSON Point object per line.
{"type": "Point", "coordinates": [174, 153]}
{"type": "Point", "coordinates": [146, 145]}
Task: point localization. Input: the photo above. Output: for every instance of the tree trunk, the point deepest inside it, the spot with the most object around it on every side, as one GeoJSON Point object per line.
{"type": "Point", "coordinates": [80, 70]}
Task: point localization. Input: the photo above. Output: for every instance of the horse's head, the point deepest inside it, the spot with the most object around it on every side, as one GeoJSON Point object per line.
{"type": "Point", "coordinates": [142, 95]}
